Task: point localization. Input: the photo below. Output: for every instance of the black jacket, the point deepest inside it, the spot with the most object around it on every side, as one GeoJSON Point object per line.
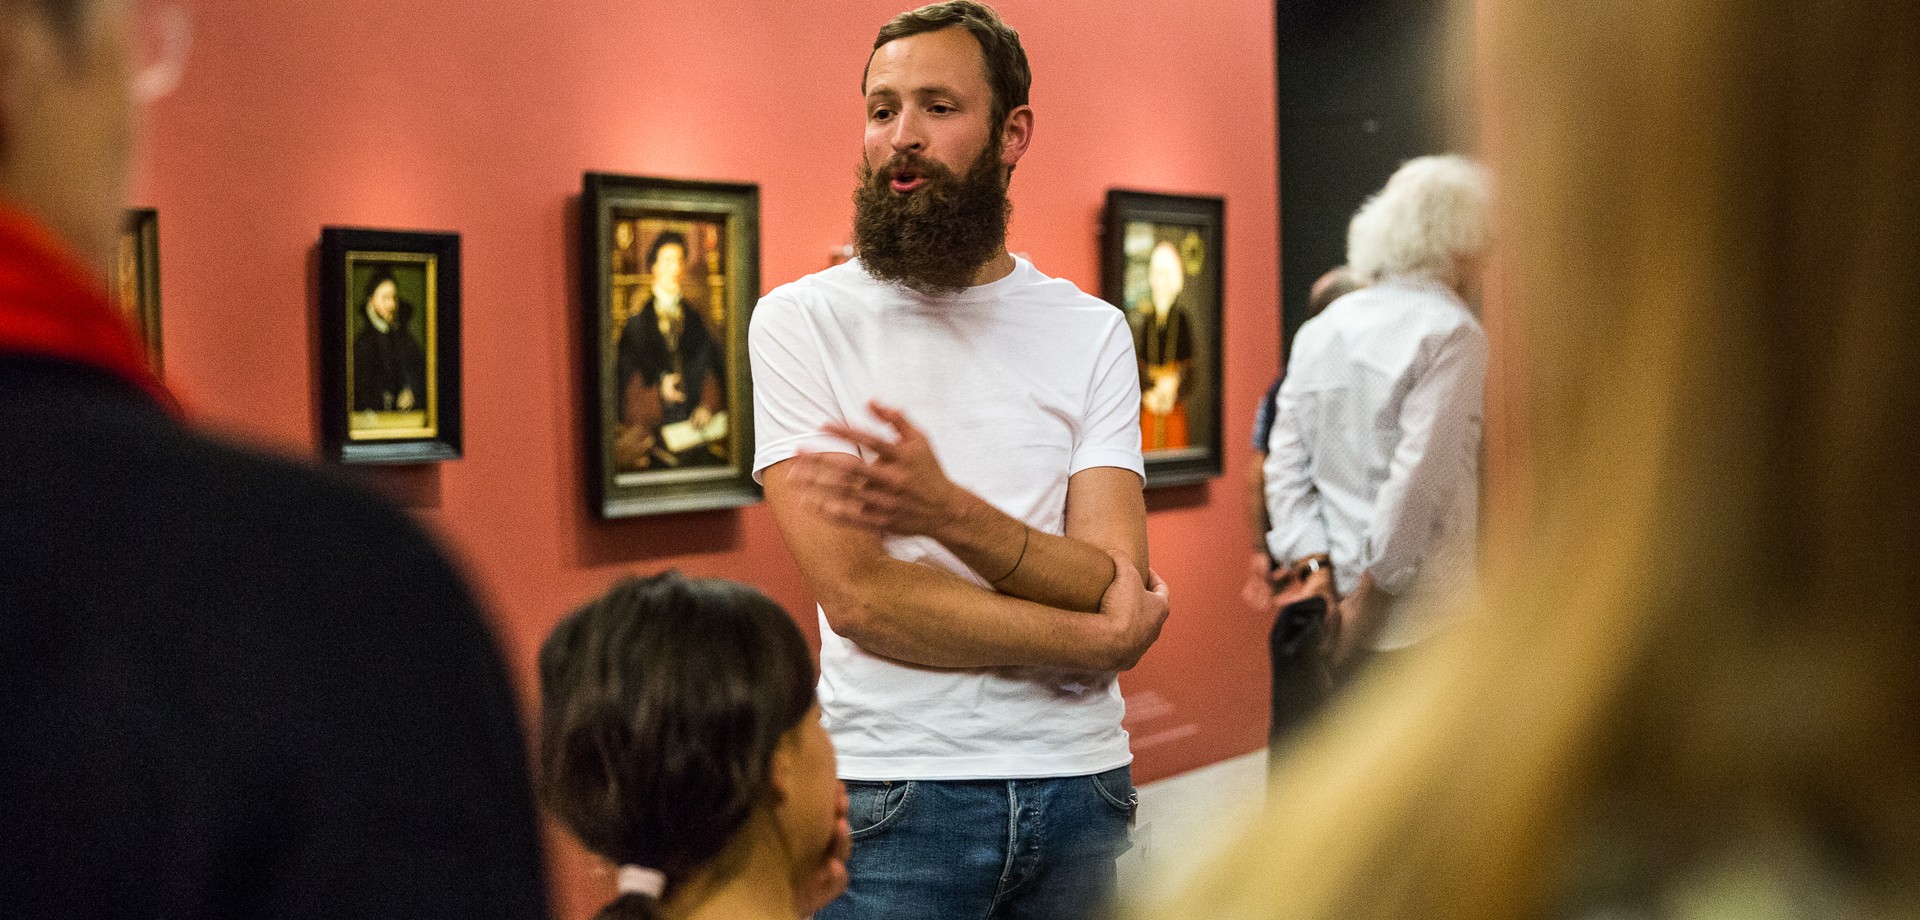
{"type": "Point", "coordinates": [234, 687]}
{"type": "Point", "coordinates": [385, 363]}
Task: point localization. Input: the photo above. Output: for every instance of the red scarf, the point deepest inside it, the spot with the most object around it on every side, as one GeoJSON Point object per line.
{"type": "Point", "coordinates": [52, 306]}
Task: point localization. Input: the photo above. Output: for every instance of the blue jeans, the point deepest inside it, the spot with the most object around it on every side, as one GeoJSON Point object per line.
{"type": "Point", "coordinates": [1021, 849]}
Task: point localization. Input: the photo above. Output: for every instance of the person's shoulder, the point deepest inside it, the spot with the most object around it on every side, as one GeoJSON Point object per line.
{"type": "Point", "coordinates": [820, 287]}
{"type": "Point", "coordinates": [1403, 305]}
{"type": "Point", "coordinates": [304, 521]}
{"type": "Point", "coordinates": [1036, 290]}
{"type": "Point", "coordinates": [1417, 294]}
{"type": "Point", "coordinates": [1448, 318]}
{"type": "Point", "coordinates": [823, 297]}
{"type": "Point", "coordinates": [1030, 281]}
{"type": "Point", "coordinates": [195, 523]}
{"type": "Point", "coordinates": [1360, 302]}
{"type": "Point", "coordinates": [1328, 323]}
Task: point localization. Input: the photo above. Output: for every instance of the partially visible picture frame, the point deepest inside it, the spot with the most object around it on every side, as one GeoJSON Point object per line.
{"type": "Point", "coordinates": [671, 271]}
{"type": "Point", "coordinates": [135, 283]}
{"type": "Point", "coordinates": [389, 345]}
{"type": "Point", "coordinates": [1161, 263]}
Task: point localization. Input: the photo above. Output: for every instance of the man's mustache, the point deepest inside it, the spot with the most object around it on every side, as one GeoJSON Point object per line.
{"type": "Point", "coordinates": [913, 164]}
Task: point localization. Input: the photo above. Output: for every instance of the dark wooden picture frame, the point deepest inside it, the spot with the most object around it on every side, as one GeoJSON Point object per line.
{"type": "Point", "coordinates": [669, 400]}
{"type": "Point", "coordinates": [135, 283]}
{"type": "Point", "coordinates": [389, 345]}
{"type": "Point", "coordinates": [1161, 262]}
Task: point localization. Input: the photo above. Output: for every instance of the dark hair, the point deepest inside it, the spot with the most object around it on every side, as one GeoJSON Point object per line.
{"type": "Point", "coordinates": [665, 239]}
{"type": "Point", "coordinates": [661, 705]}
{"type": "Point", "coordinates": [380, 276]}
{"type": "Point", "coordinates": [402, 310]}
{"type": "Point", "coordinates": [1005, 60]}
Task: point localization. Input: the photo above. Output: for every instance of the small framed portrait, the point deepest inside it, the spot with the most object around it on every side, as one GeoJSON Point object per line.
{"type": "Point", "coordinates": [390, 345]}
{"type": "Point", "coordinates": [1160, 262]}
{"type": "Point", "coordinates": [135, 283]}
{"type": "Point", "coordinates": [671, 271]}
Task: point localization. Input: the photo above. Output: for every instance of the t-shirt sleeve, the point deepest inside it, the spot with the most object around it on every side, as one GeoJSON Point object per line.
{"type": "Point", "coordinates": [792, 395]}
{"type": "Point", "coordinates": [1111, 433]}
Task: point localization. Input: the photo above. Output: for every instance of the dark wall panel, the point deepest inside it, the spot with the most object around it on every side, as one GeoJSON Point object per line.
{"type": "Point", "coordinates": [1358, 84]}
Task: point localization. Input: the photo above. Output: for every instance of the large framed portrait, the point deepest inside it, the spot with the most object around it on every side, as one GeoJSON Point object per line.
{"type": "Point", "coordinates": [390, 345]}
{"type": "Point", "coordinates": [671, 271]}
{"type": "Point", "coordinates": [1160, 262]}
{"type": "Point", "coordinates": [135, 282]}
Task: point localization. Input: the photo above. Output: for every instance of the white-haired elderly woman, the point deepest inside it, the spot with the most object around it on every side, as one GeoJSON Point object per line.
{"type": "Point", "coordinates": [1373, 463]}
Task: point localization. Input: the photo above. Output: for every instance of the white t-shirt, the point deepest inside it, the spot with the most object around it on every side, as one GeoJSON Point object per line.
{"type": "Point", "coordinates": [1018, 385]}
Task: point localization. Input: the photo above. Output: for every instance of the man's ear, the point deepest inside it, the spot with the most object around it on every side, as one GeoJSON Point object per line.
{"type": "Point", "coordinates": [1016, 132]}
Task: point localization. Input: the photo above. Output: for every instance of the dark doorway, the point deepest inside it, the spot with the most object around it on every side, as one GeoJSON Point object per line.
{"type": "Point", "coordinates": [1360, 93]}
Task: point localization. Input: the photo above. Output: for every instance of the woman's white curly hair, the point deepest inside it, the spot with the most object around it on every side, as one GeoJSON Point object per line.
{"type": "Point", "coordinates": [1432, 213]}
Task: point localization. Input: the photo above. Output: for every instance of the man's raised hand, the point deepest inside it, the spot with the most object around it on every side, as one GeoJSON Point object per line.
{"type": "Point", "coordinates": [897, 487]}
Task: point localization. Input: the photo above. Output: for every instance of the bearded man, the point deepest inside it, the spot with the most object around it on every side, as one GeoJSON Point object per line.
{"type": "Point", "coordinates": [950, 442]}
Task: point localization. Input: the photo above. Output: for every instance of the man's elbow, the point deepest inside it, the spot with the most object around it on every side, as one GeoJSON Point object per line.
{"type": "Point", "coordinates": [1119, 659]}
{"type": "Point", "coordinates": [856, 612]}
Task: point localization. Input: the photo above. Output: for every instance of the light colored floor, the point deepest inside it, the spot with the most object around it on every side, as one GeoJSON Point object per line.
{"type": "Point", "coordinates": [1185, 819]}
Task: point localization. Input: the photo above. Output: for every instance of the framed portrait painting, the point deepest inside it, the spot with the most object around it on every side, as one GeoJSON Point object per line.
{"type": "Point", "coordinates": [135, 282]}
{"type": "Point", "coordinates": [671, 272]}
{"type": "Point", "coordinates": [390, 345]}
{"type": "Point", "coordinates": [1161, 264]}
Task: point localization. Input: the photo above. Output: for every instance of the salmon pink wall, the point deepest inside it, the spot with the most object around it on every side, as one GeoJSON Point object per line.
{"type": "Point", "coordinates": [479, 117]}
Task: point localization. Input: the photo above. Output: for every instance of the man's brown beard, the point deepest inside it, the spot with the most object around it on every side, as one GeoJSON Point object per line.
{"type": "Point", "coordinates": [936, 238]}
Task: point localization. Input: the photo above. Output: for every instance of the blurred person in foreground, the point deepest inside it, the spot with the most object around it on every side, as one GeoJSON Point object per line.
{"type": "Point", "coordinates": [1694, 691]}
{"type": "Point", "coordinates": [210, 705]}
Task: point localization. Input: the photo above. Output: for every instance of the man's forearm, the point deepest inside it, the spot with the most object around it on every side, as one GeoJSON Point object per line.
{"type": "Point", "coordinates": [926, 616]}
{"type": "Point", "coordinates": [929, 616]}
{"type": "Point", "coordinates": [1024, 562]}
{"type": "Point", "coordinates": [1256, 495]}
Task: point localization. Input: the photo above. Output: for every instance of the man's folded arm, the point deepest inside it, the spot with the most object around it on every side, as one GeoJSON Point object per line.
{"type": "Point", "coordinates": [922, 615]}
{"type": "Point", "coordinates": [1106, 512]}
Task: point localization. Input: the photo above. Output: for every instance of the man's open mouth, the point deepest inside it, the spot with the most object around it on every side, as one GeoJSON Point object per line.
{"type": "Point", "coordinates": [906, 179]}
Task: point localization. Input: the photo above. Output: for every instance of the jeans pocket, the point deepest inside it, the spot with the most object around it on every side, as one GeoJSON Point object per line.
{"type": "Point", "coordinates": [1116, 787]}
{"type": "Point", "coordinates": [873, 807]}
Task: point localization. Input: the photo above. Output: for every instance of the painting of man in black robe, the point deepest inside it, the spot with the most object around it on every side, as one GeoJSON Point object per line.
{"type": "Point", "coordinates": [670, 370]}
{"type": "Point", "coordinates": [390, 389]}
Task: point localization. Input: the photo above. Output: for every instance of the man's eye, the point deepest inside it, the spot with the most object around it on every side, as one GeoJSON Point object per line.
{"type": "Point", "coordinates": [880, 114]}
{"type": "Point", "coordinates": [939, 108]}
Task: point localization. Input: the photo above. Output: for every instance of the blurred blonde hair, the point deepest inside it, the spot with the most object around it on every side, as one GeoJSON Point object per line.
{"type": "Point", "coordinates": [1707, 631]}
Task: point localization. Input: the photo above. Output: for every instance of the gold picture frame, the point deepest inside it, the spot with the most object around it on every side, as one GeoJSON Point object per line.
{"type": "Point", "coordinates": [1161, 264]}
{"type": "Point", "coordinates": [671, 272]}
{"type": "Point", "coordinates": [134, 286]}
{"type": "Point", "coordinates": [390, 345]}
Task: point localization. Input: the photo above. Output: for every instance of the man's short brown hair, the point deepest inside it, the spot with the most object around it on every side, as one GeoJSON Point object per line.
{"type": "Point", "coordinates": [1006, 61]}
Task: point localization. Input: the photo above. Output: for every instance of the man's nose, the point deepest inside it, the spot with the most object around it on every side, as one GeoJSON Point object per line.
{"type": "Point", "coordinates": [907, 136]}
